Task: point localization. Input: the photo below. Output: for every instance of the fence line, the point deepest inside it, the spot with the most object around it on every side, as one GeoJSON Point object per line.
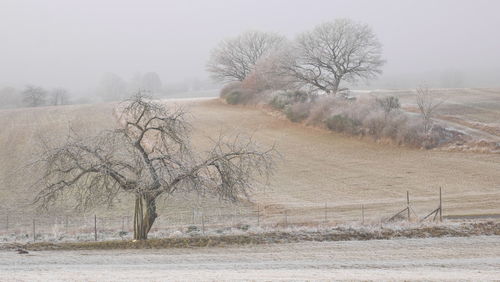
{"type": "Point", "coordinates": [88, 227]}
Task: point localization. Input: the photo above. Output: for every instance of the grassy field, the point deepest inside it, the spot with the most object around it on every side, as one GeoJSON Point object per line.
{"type": "Point", "coordinates": [317, 167]}
{"type": "Point", "coordinates": [321, 167]}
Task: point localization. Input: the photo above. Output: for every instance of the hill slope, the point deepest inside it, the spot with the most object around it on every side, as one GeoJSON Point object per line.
{"type": "Point", "coordinates": [317, 167]}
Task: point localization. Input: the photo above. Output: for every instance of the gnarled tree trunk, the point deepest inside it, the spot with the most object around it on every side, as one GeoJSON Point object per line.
{"type": "Point", "coordinates": [144, 216]}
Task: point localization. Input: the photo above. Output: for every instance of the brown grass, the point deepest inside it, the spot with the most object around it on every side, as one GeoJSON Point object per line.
{"type": "Point", "coordinates": [317, 166]}
{"type": "Point", "coordinates": [329, 234]}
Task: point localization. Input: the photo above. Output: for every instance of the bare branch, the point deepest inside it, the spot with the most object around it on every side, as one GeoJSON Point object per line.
{"type": "Point", "coordinates": [235, 58]}
{"type": "Point", "coordinates": [149, 156]}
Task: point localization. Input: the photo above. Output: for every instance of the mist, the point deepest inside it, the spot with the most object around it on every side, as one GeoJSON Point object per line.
{"type": "Point", "coordinates": [72, 44]}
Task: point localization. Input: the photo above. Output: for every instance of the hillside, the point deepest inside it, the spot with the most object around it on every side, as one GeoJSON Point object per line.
{"type": "Point", "coordinates": [317, 166]}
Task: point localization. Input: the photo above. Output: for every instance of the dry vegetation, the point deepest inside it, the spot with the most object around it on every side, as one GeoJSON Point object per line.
{"type": "Point", "coordinates": [317, 166]}
{"type": "Point", "coordinates": [281, 235]}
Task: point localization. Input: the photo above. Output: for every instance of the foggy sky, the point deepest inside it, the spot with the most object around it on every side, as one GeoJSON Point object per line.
{"type": "Point", "coordinates": [73, 43]}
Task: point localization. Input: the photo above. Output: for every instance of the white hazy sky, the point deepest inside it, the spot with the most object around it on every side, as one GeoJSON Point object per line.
{"type": "Point", "coordinates": [73, 43]}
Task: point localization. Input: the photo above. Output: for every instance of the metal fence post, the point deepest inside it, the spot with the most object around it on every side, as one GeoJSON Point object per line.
{"type": "Point", "coordinates": [408, 203]}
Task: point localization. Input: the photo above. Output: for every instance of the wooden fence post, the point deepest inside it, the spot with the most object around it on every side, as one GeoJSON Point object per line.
{"type": "Point", "coordinates": [34, 230]}
{"type": "Point", "coordinates": [440, 206]}
{"type": "Point", "coordinates": [95, 227]}
{"type": "Point", "coordinates": [258, 216]}
{"type": "Point", "coordinates": [363, 214]}
{"type": "Point", "coordinates": [202, 223]}
{"type": "Point", "coordinates": [286, 219]}
{"type": "Point", "coordinates": [326, 213]}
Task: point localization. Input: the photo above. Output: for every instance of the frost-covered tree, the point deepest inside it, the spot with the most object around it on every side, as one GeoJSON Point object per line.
{"type": "Point", "coordinates": [151, 82]}
{"type": "Point", "coordinates": [333, 52]}
{"type": "Point", "coordinates": [112, 87]}
{"type": "Point", "coordinates": [9, 97]}
{"type": "Point", "coordinates": [34, 96]}
{"type": "Point", "coordinates": [149, 157]}
{"type": "Point", "coordinates": [233, 59]}
{"type": "Point", "coordinates": [427, 104]}
{"type": "Point", "coordinates": [59, 96]}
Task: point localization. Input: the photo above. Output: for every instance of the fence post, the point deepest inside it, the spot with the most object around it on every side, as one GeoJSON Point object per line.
{"type": "Point", "coordinates": [202, 223]}
{"type": "Point", "coordinates": [192, 216]}
{"type": "Point", "coordinates": [326, 213]}
{"type": "Point", "coordinates": [95, 227]}
{"type": "Point", "coordinates": [34, 231]}
{"type": "Point", "coordinates": [440, 206]}
{"type": "Point", "coordinates": [286, 219]}
{"type": "Point", "coordinates": [7, 223]}
{"type": "Point", "coordinates": [258, 216]}
{"type": "Point", "coordinates": [408, 203]}
{"type": "Point", "coordinates": [123, 224]}
{"type": "Point", "coordinates": [363, 214]}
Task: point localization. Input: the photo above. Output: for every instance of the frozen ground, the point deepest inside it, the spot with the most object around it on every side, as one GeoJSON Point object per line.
{"type": "Point", "coordinates": [473, 258]}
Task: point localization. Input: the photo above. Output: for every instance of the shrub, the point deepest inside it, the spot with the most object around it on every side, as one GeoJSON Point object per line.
{"type": "Point", "coordinates": [394, 123]}
{"type": "Point", "coordinates": [229, 88]}
{"type": "Point", "coordinates": [375, 123]}
{"type": "Point", "coordinates": [234, 97]}
{"type": "Point", "coordinates": [412, 133]}
{"type": "Point", "coordinates": [281, 99]}
{"type": "Point", "coordinates": [241, 96]}
{"type": "Point", "coordinates": [343, 123]}
{"type": "Point", "coordinates": [321, 109]}
{"type": "Point", "coordinates": [298, 112]}
{"type": "Point", "coordinates": [389, 103]}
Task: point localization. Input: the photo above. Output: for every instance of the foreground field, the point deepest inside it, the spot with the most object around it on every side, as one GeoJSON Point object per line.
{"type": "Point", "coordinates": [473, 258]}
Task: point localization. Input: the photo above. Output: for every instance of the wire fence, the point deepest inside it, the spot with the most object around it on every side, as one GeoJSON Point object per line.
{"type": "Point", "coordinates": [203, 221]}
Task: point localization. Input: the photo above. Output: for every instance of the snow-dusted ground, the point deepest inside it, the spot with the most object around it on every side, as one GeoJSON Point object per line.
{"type": "Point", "coordinates": [473, 258]}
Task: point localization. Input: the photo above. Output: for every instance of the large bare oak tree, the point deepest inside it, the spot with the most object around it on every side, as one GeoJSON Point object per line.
{"type": "Point", "coordinates": [148, 156]}
{"type": "Point", "coordinates": [233, 59]}
{"type": "Point", "coordinates": [333, 52]}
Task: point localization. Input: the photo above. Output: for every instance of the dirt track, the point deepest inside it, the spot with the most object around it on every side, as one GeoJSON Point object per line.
{"type": "Point", "coordinates": [473, 258]}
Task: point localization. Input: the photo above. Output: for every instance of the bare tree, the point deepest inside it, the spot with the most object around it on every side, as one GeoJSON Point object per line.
{"type": "Point", "coordinates": [9, 97]}
{"type": "Point", "coordinates": [151, 82]}
{"type": "Point", "coordinates": [333, 52]}
{"type": "Point", "coordinates": [267, 75]}
{"type": "Point", "coordinates": [149, 156]}
{"type": "Point", "coordinates": [59, 96]}
{"type": "Point", "coordinates": [427, 105]}
{"type": "Point", "coordinates": [34, 96]}
{"type": "Point", "coordinates": [235, 58]}
{"type": "Point", "coordinates": [112, 87]}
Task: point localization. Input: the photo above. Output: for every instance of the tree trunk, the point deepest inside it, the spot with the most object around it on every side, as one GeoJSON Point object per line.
{"type": "Point", "coordinates": [144, 216]}
{"type": "Point", "coordinates": [335, 87]}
